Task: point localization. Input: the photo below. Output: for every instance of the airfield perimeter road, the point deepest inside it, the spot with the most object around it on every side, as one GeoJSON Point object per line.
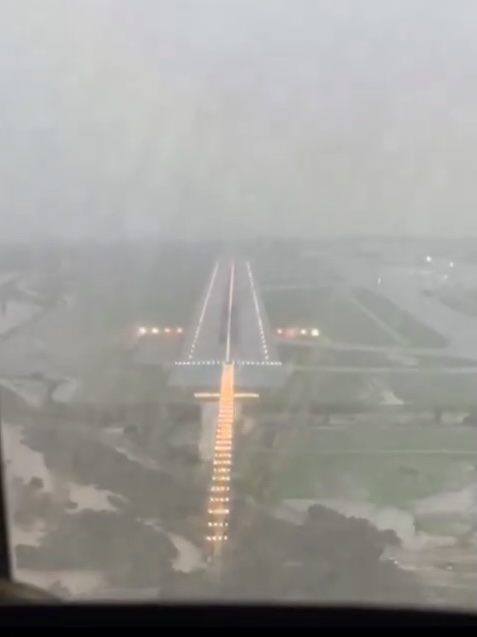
{"type": "Point", "coordinates": [251, 342]}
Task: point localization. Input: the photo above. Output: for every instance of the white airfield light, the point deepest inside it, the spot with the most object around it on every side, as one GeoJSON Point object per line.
{"type": "Point", "coordinates": [292, 332]}
{"type": "Point", "coordinates": [143, 330]}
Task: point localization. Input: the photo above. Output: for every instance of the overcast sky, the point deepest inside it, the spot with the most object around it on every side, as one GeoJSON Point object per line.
{"type": "Point", "coordinates": [216, 117]}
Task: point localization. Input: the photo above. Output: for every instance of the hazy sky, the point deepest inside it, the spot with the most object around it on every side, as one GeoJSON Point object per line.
{"type": "Point", "coordinates": [221, 116]}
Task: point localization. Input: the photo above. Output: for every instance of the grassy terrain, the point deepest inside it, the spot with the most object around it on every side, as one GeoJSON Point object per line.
{"type": "Point", "coordinates": [308, 355]}
{"type": "Point", "coordinates": [465, 303]}
{"type": "Point", "coordinates": [304, 387]}
{"type": "Point", "coordinates": [337, 318]}
{"type": "Point", "coordinates": [387, 467]}
{"type": "Point", "coordinates": [416, 333]}
{"type": "Point", "coordinates": [444, 361]}
{"type": "Point", "coordinates": [114, 294]}
{"type": "Point", "coordinates": [116, 381]}
{"type": "Point", "coordinates": [303, 355]}
{"type": "Point", "coordinates": [385, 480]}
{"type": "Point", "coordinates": [161, 288]}
{"type": "Point", "coordinates": [436, 390]}
{"type": "Point", "coordinates": [446, 438]}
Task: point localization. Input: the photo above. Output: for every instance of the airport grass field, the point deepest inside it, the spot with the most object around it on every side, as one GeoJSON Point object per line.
{"type": "Point", "coordinates": [161, 288]}
{"type": "Point", "coordinates": [391, 466]}
{"type": "Point", "coordinates": [382, 478]}
{"type": "Point", "coordinates": [118, 295]}
{"type": "Point", "coordinates": [360, 317]}
{"type": "Point", "coordinates": [337, 317]}
{"type": "Point", "coordinates": [385, 466]}
{"type": "Point", "coordinates": [347, 317]}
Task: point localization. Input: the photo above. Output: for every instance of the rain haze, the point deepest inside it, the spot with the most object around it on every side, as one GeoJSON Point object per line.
{"type": "Point", "coordinates": [219, 116]}
{"type": "Point", "coordinates": [238, 299]}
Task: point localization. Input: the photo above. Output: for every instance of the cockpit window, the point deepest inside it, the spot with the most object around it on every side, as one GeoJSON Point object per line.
{"type": "Point", "coordinates": [238, 299]}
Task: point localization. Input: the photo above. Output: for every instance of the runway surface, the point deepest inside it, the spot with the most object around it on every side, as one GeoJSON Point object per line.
{"type": "Point", "coordinates": [231, 294]}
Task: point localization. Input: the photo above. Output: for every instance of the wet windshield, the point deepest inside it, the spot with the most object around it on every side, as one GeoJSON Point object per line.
{"type": "Point", "coordinates": [238, 299]}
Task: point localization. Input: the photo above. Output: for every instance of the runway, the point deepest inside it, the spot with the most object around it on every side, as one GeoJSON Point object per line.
{"type": "Point", "coordinates": [231, 295]}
